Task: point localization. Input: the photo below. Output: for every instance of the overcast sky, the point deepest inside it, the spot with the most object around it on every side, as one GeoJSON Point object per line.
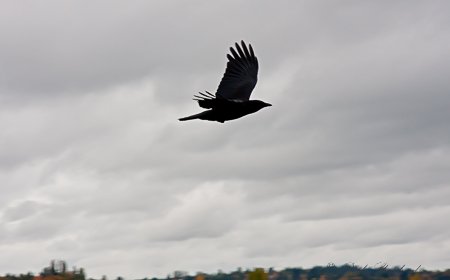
{"type": "Point", "coordinates": [351, 164]}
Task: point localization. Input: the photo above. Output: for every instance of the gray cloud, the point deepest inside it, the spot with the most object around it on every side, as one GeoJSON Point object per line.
{"type": "Point", "coordinates": [350, 164]}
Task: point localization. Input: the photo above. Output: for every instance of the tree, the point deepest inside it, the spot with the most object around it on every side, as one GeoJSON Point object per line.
{"type": "Point", "coordinates": [257, 274]}
{"type": "Point", "coordinates": [52, 267]}
{"type": "Point", "coordinates": [63, 266]}
{"type": "Point", "coordinates": [416, 277]}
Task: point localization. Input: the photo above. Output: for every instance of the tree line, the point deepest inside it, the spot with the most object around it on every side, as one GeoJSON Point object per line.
{"type": "Point", "coordinates": [58, 270]}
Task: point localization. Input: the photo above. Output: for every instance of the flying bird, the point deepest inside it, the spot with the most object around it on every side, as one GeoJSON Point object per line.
{"type": "Point", "coordinates": [232, 98]}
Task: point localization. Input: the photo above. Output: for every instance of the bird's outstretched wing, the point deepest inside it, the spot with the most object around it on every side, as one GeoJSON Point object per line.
{"type": "Point", "coordinates": [209, 101]}
{"type": "Point", "coordinates": [241, 74]}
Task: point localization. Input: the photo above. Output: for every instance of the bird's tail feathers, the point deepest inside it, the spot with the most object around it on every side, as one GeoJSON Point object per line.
{"type": "Point", "coordinates": [196, 116]}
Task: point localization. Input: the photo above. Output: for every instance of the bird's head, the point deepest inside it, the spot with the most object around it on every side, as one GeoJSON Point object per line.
{"type": "Point", "coordinates": [257, 105]}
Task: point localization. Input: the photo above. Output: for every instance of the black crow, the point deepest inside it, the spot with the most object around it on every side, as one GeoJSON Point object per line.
{"type": "Point", "coordinates": [232, 96]}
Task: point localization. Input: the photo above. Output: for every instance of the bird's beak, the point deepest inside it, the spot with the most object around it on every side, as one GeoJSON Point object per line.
{"type": "Point", "coordinates": [267, 104]}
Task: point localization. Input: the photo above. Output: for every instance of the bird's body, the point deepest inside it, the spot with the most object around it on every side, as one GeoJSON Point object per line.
{"type": "Point", "coordinates": [229, 110]}
{"type": "Point", "coordinates": [232, 96]}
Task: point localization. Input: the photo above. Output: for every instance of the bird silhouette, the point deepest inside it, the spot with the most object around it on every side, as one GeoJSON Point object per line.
{"type": "Point", "coordinates": [232, 99]}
